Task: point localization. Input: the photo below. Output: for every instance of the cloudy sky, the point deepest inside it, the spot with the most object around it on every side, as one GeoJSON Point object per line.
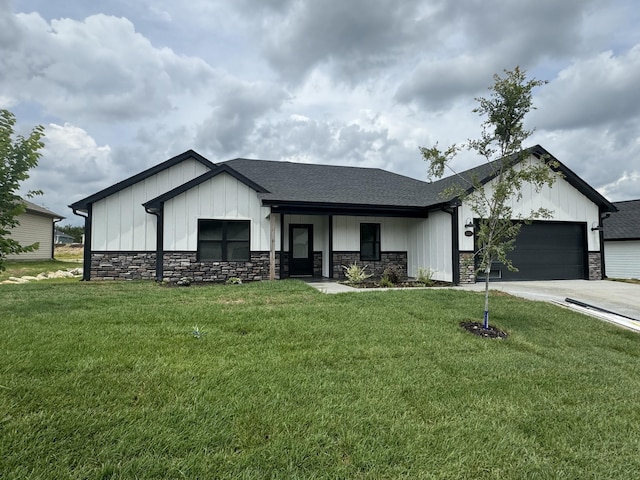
{"type": "Point", "coordinates": [121, 86]}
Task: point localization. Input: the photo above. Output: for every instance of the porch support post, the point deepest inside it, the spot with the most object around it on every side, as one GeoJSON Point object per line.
{"type": "Point", "coordinates": [330, 246]}
{"type": "Point", "coordinates": [281, 246]}
{"type": "Point", "coordinates": [272, 247]}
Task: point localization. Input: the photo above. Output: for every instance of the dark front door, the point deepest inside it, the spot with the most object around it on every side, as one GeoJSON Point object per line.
{"type": "Point", "coordinates": [300, 250]}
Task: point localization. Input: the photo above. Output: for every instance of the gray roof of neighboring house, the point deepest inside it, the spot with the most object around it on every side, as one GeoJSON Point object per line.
{"type": "Point", "coordinates": [625, 223]}
{"type": "Point", "coordinates": [38, 210]}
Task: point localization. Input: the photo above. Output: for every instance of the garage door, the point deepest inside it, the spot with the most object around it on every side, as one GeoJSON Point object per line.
{"type": "Point", "coordinates": [547, 251]}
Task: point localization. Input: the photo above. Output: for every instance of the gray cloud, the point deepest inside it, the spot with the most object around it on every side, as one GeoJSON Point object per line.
{"type": "Point", "coordinates": [127, 86]}
{"type": "Point", "coordinates": [99, 69]}
{"type": "Point", "coordinates": [355, 38]}
{"type": "Point", "coordinates": [234, 115]}
{"type": "Point", "coordinates": [597, 91]}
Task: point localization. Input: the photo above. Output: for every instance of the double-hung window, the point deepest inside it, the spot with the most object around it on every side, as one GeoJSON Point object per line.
{"type": "Point", "coordinates": [223, 240]}
{"type": "Point", "coordinates": [370, 241]}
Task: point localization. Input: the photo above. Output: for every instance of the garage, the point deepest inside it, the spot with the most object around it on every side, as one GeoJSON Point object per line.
{"type": "Point", "coordinates": [547, 251]}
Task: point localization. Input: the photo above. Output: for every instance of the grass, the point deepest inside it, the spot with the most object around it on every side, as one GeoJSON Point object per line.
{"type": "Point", "coordinates": [68, 254]}
{"type": "Point", "coordinates": [107, 380]}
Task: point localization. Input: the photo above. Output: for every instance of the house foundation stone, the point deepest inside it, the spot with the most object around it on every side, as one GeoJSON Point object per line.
{"type": "Point", "coordinates": [375, 268]}
{"type": "Point", "coordinates": [467, 268]}
{"type": "Point", "coordinates": [595, 266]}
{"type": "Point", "coordinates": [123, 265]}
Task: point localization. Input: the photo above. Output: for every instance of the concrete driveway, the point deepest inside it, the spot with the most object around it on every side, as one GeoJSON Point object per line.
{"type": "Point", "coordinates": [618, 297]}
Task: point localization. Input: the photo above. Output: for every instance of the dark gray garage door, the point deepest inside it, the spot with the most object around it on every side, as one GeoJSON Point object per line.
{"type": "Point", "coordinates": [547, 251]}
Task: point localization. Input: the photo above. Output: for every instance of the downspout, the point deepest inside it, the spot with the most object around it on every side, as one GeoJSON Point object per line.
{"type": "Point", "coordinates": [601, 235]}
{"type": "Point", "coordinates": [455, 244]}
{"type": "Point", "coordinates": [53, 237]}
{"type": "Point", "coordinates": [159, 241]}
{"type": "Point", "coordinates": [86, 258]}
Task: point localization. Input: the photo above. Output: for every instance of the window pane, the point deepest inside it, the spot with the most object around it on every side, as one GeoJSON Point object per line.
{"type": "Point", "coordinates": [367, 232]}
{"type": "Point", "coordinates": [210, 230]}
{"type": "Point", "coordinates": [210, 250]}
{"type": "Point", "coordinates": [237, 230]}
{"type": "Point", "coordinates": [300, 242]}
{"type": "Point", "coordinates": [237, 251]}
{"type": "Point", "coordinates": [367, 251]}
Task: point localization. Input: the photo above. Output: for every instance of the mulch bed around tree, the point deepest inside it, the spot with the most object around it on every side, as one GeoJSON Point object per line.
{"type": "Point", "coordinates": [478, 329]}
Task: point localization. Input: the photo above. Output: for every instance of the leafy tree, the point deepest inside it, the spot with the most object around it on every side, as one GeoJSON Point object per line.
{"type": "Point", "coordinates": [500, 144]}
{"type": "Point", "coordinates": [18, 155]}
{"type": "Point", "coordinates": [75, 232]}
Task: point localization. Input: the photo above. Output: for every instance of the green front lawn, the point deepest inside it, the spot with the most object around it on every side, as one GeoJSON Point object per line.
{"type": "Point", "coordinates": [107, 380]}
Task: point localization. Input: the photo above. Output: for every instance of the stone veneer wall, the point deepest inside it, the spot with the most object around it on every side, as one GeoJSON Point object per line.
{"type": "Point", "coordinates": [186, 264]}
{"type": "Point", "coordinates": [595, 266]}
{"type": "Point", "coordinates": [123, 265]}
{"type": "Point", "coordinates": [398, 259]}
{"type": "Point", "coordinates": [467, 268]}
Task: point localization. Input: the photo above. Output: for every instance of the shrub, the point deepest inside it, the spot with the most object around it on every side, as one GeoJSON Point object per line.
{"type": "Point", "coordinates": [425, 276]}
{"type": "Point", "coordinates": [390, 276]}
{"type": "Point", "coordinates": [385, 282]}
{"type": "Point", "coordinates": [356, 274]}
{"type": "Point", "coordinates": [234, 281]}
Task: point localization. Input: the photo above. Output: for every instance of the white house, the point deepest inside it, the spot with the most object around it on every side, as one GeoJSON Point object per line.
{"type": "Point", "coordinates": [622, 241]}
{"type": "Point", "coordinates": [36, 225]}
{"type": "Point", "coordinates": [258, 219]}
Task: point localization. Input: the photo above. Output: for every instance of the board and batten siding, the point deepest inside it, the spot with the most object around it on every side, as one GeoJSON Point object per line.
{"type": "Point", "coordinates": [622, 258]}
{"type": "Point", "coordinates": [430, 246]}
{"type": "Point", "coordinates": [33, 228]}
{"type": "Point", "coordinates": [120, 222]}
{"type": "Point", "coordinates": [223, 198]}
{"type": "Point", "coordinates": [566, 203]}
{"type": "Point", "coordinates": [393, 233]}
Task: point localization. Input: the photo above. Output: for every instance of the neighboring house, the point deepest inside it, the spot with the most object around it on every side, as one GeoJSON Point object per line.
{"type": "Point", "coordinates": [37, 225]}
{"type": "Point", "coordinates": [258, 219]}
{"type": "Point", "coordinates": [622, 241]}
{"type": "Point", "coordinates": [61, 238]}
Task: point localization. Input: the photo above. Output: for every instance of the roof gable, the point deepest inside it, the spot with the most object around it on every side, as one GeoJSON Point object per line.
{"type": "Point", "coordinates": [487, 172]}
{"type": "Point", "coordinates": [155, 203]}
{"type": "Point", "coordinates": [625, 223]}
{"type": "Point", "coordinates": [189, 154]}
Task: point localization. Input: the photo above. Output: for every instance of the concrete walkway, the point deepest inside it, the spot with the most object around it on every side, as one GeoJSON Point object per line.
{"type": "Point", "coordinates": [618, 298]}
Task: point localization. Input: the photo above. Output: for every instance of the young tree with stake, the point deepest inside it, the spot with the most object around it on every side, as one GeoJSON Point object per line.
{"type": "Point", "coordinates": [500, 144]}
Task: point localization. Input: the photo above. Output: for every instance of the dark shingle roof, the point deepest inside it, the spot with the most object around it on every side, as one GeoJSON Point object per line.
{"type": "Point", "coordinates": [300, 182]}
{"type": "Point", "coordinates": [625, 223]}
{"type": "Point", "coordinates": [329, 186]}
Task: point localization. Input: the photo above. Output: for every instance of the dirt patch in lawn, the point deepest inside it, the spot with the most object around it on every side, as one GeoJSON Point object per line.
{"type": "Point", "coordinates": [478, 329]}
